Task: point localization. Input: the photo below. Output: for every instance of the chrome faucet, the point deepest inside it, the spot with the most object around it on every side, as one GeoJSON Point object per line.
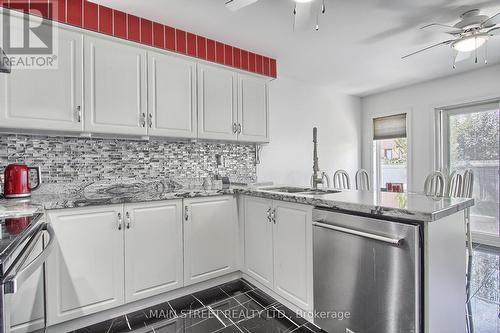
{"type": "Point", "coordinates": [317, 177]}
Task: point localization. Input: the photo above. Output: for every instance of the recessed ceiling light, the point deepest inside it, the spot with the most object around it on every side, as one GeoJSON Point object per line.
{"type": "Point", "coordinates": [303, 1]}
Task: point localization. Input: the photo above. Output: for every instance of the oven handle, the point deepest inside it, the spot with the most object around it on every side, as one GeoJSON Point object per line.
{"type": "Point", "coordinates": [392, 241]}
{"type": "Point", "coordinates": [12, 281]}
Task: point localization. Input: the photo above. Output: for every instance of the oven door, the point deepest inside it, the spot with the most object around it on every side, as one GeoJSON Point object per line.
{"type": "Point", "coordinates": [29, 261]}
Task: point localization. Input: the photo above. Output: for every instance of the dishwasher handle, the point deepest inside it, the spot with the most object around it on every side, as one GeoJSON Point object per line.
{"type": "Point", "coordinates": [12, 282]}
{"type": "Point", "coordinates": [392, 241]}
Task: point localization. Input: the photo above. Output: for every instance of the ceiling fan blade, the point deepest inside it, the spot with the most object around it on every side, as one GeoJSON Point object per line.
{"type": "Point", "coordinates": [235, 5]}
{"type": "Point", "coordinates": [427, 48]}
{"type": "Point", "coordinates": [437, 27]}
{"type": "Point", "coordinates": [491, 22]}
{"type": "Point", "coordinates": [494, 31]}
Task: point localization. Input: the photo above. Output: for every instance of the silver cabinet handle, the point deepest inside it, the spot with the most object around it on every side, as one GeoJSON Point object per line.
{"type": "Point", "coordinates": [12, 281]}
{"type": "Point", "coordinates": [142, 120]}
{"type": "Point", "coordinates": [392, 241]}
{"type": "Point", "coordinates": [269, 215]}
{"type": "Point", "coordinates": [150, 120]}
{"type": "Point", "coordinates": [239, 128]}
{"type": "Point", "coordinates": [235, 128]}
{"type": "Point", "coordinates": [127, 216]}
{"type": "Point", "coordinates": [186, 213]}
{"type": "Point", "coordinates": [120, 221]}
{"type": "Point", "coordinates": [273, 215]}
{"type": "Point", "coordinates": [79, 113]}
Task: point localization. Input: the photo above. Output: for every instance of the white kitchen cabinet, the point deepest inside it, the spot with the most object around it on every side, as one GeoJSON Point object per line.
{"type": "Point", "coordinates": [258, 258]}
{"type": "Point", "coordinates": [27, 302]}
{"type": "Point", "coordinates": [85, 272]}
{"type": "Point", "coordinates": [210, 238]}
{"type": "Point", "coordinates": [45, 99]}
{"type": "Point", "coordinates": [171, 96]}
{"type": "Point", "coordinates": [253, 110]}
{"type": "Point", "coordinates": [115, 87]}
{"type": "Point", "coordinates": [153, 248]}
{"type": "Point", "coordinates": [278, 248]}
{"type": "Point", "coordinates": [293, 253]}
{"type": "Point", "coordinates": [217, 103]}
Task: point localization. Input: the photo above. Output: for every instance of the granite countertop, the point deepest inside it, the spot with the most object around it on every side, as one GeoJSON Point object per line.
{"type": "Point", "coordinates": [71, 195]}
{"type": "Point", "coordinates": [409, 206]}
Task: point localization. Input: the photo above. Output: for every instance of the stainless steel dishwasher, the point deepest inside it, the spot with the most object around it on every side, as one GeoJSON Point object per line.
{"type": "Point", "coordinates": [366, 274]}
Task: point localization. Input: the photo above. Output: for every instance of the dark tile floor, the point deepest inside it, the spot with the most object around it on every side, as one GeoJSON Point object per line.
{"type": "Point", "coordinates": [485, 290]}
{"type": "Point", "coordinates": [236, 306]}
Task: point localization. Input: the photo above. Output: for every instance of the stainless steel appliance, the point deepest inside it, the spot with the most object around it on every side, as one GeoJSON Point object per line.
{"type": "Point", "coordinates": [20, 234]}
{"type": "Point", "coordinates": [366, 274]}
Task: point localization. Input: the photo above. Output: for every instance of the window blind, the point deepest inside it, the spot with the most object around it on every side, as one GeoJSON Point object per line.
{"type": "Point", "coordinates": [390, 127]}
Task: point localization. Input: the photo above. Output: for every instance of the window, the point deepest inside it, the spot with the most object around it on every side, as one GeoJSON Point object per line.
{"type": "Point", "coordinates": [390, 151]}
{"type": "Point", "coordinates": [470, 140]}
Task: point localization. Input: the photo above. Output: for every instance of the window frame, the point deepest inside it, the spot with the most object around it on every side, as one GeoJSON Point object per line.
{"type": "Point", "coordinates": [442, 161]}
{"type": "Point", "coordinates": [374, 165]}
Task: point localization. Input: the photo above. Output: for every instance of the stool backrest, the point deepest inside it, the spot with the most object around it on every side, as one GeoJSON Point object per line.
{"type": "Point", "coordinates": [435, 184]}
{"type": "Point", "coordinates": [455, 185]}
{"type": "Point", "coordinates": [341, 180]}
{"type": "Point", "coordinates": [362, 180]}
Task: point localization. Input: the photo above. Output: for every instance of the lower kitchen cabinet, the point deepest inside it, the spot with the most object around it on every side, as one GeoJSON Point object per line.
{"type": "Point", "coordinates": [259, 240]}
{"type": "Point", "coordinates": [85, 272]}
{"type": "Point", "coordinates": [210, 238]}
{"type": "Point", "coordinates": [111, 255]}
{"type": "Point", "coordinates": [26, 313]}
{"type": "Point", "coordinates": [153, 248]}
{"type": "Point", "coordinates": [278, 248]}
{"type": "Point", "coordinates": [293, 253]}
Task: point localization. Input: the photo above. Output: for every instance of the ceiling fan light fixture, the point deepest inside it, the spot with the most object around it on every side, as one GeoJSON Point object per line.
{"type": "Point", "coordinates": [469, 43]}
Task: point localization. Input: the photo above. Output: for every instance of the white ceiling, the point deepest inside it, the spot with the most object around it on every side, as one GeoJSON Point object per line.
{"type": "Point", "coordinates": [357, 50]}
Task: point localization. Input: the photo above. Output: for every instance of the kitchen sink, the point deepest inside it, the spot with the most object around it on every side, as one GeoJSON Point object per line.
{"type": "Point", "coordinates": [300, 190]}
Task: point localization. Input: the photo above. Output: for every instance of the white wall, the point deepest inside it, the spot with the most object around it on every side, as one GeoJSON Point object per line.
{"type": "Point", "coordinates": [420, 101]}
{"type": "Point", "coordinates": [297, 107]}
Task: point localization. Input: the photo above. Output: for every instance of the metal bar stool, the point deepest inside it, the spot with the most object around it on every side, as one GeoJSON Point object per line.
{"type": "Point", "coordinates": [434, 184]}
{"type": "Point", "coordinates": [341, 180]}
{"type": "Point", "coordinates": [362, 180]}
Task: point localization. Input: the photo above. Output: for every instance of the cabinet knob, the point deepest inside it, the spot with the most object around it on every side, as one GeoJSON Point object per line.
{"type": "Point", "coordinates": [186, 213]}
{"type": "Point", "coordinates": [150, 121]}
{"type": "Point", "coordinates": [142, 121]}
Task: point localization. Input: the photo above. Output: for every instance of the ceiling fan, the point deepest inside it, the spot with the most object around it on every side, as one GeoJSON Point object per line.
{"type": "Point", "coordinates": [302, 9]}
{"type": "Point", "coordinates": [469, 34]}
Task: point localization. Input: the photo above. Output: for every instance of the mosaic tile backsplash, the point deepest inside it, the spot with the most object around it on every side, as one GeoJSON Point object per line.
{"type": "Point", "coordinates": [72, 159]}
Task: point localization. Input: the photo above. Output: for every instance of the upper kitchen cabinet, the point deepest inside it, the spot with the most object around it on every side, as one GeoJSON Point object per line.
{"type": "Point", "coordinates": [253, 110]}
{"type": "Point", "coordinates": [171, 96]}
{"type": "Point", "coordinates": [45, 98]}
{"type": "Point", "coordinates": [217, 103]}
{"type": "Point", "coordinates": [210, 238]}
{"type": "Point", "coordinates": [115, 87]}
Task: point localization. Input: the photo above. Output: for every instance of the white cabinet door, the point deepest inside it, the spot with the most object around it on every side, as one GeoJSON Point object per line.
{"type": "Point", "coordinates": [153, 248]}
{"type": "Point", "coordinates": [253, 111]}
{"type": "Point", "coordinates": [293, 253]}
{"type": "Point", "coordinates": [259, 239]}
{"type": "Point", "coordinates": [217, 107]}
{"type": "Point", "coordinates": [210, 238]}
{"type": "Point", "coordinates": [171, 96]}
{"type": "Point", "coordinates": [115, 87]}
{"type": "Point", "coordinates": [46, 99]}
{"type": "Point", "coordinates": [26, 304]}
{"type": "Point", "coordinates": [85, 272]}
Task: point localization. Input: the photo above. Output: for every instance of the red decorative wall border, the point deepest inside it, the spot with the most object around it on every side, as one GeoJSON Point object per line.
{"type": "Point", "coordinates": [91, 16]}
